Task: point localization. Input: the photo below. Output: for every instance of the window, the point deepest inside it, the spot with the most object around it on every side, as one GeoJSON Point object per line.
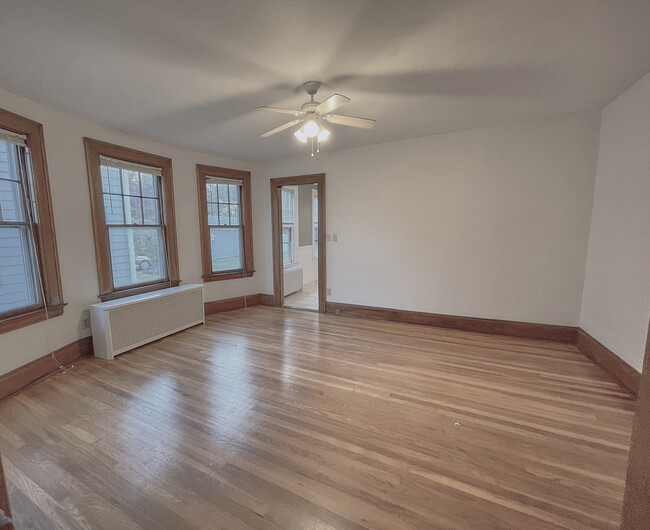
{"type": "Point", "coordinates": [133, 220]}
{"type": "Point", "coordinates": [314, 211]}
{"type": "Point", "coordinates": [225, 222]}
{"type": "Point", "coordinates": [30, 284]}
{"type": "Point", "coordinates": [288, 225]}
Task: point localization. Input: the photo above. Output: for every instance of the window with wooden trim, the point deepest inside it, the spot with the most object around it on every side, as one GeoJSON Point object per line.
{"type": "Point", "coordinates": [225, 222]}
{"type": "Point", "coordinates": [30, 281]}
{"type": "Point", "coordinates": [133, 219]}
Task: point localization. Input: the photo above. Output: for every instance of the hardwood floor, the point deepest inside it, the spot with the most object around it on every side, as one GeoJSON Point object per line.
{"type": "Point", "coordinates": [276, 418]}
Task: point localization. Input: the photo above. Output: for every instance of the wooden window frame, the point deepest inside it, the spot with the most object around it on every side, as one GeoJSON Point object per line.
{"type": "Point", "coordinates": [202, 173]}
{"type": "Point", "coordinates": [94, 150]}
{"type": "Point", "coordinates": [43, 230]}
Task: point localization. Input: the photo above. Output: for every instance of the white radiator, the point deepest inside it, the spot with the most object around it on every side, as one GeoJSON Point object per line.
{"type": "Point", "coordinates": [292, 279]}
{"type": "Point", "coordinates": [124, 324]}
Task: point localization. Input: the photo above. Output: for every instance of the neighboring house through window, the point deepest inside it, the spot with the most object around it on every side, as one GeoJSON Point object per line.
{"type": "Point", "coordinates": [30, 285]}
{"type": "Point", "coordinates": [133, 218]}
{"type": "Point", "coordinates": [225, 222]}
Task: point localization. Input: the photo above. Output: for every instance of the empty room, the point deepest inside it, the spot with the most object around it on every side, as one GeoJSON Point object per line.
{"type": "Point", "coordinates": [325, 264]}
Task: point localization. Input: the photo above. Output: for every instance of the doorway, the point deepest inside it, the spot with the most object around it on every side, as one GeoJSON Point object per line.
{"type": "Point", "coordinates": [298, 226]}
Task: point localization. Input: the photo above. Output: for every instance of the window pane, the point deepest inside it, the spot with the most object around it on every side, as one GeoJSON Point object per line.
{"type": "Point", "coordinates": [11, 204]}
{"type": "Point", "coordinates": [113, 209]}
{"type": "Point", "coordinates": [287, 206]}
{"type": "Point", "coordinates": [133, 210]}
{"type": "Point", "coordinates": [223, 192]}
{"type": "Point", "coordinates": [18, 285]}
{"type": "Point", "coordinates": [287, 244]}
{"type": "Point", "coordinates": [233, 191]}
{"type": "Point", "coordinates": [211, 192]}
{"type": "Point", "coordinates": [137, 255]}
{"type": "Point", "coordinates": [150, 211]}
{"type": "Point", "coordinates": [213, 214]}
{"type": "Point", "coordinates": [226, 249]}
{"type": "Point", "coordinates": [149, 188]}
{"type": "Point", "coordinates": [131, 182]}
{"type": "Point", "coordinates": [234, 214]}
{"type": "Point", "coordinates": [224, 214]}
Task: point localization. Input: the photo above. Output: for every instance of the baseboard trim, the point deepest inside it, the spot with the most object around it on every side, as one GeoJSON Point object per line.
{"type": "Point", "coordinates": [510, 328]}
{"type": "Point", "coordinates": [607, 359]}
{"type": "Point", "coordinates": [230, 304]}
{"type": "Point", "coordinates": [30, 373]}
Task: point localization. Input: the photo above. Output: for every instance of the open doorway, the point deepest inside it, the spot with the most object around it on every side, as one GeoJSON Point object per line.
{"type": "Point", "coordinates": [298, 217]}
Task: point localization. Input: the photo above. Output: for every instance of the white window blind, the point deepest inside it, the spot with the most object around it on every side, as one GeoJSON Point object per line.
{"type": "Point", "coordinates": [129, 166]}
{"type": "Point", "coordinates": [13, 138]}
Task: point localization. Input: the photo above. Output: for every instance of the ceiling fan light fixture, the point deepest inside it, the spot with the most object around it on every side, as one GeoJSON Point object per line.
{"type": "Point", "coordinates": [310, 128]}
{"type": "Point", "coordinates": [300, 134]}
{"type": "Point", "coordinates": [323, 135]}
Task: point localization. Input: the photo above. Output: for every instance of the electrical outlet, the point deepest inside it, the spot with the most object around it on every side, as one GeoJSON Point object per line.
{"type": "Point", "coordinates": [335, 237]}
{"type": "Point", "coordinates": [329, 237]}
{"type": "Point", "coordinates": [329, 291]}
{"type": "Point", "coordinates": [86, 323]}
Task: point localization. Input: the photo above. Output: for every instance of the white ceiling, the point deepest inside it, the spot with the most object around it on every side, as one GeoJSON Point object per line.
{"type": "Point", "coordinates": [190, 73]}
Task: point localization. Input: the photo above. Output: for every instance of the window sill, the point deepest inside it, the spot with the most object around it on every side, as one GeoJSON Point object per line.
{"type": "Point", "coordinates": [17, 321]}
{"type": "Point", "coordinates": [138, 290]}
{"type": "Point", "coordinates": [227, 275]}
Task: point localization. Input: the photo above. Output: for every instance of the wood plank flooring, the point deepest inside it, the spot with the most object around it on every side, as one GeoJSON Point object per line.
{"type": "Point", "coordinates": [276, 418]}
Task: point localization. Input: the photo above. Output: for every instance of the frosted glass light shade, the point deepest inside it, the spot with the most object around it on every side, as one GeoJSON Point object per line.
{"type": "Point", "coordinates": [310, 128]}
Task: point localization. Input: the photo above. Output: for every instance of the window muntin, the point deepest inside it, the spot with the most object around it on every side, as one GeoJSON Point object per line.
{"type": "Point", "coordinates": [133, 214]}
{"type": "Point", "coordinates": [288, 225]}
{"type": "Point", "coordinates": [224, 212]}
{"type": "Point", "coordinates": [19, 275]}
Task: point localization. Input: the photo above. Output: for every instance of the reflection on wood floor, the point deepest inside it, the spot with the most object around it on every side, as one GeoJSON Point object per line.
{"type": "Point", "coordinates": [307, 299]}
{"type": "Point", "coordinates": [275, 418]}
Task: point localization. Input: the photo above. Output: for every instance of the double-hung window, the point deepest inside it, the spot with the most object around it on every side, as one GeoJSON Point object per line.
{"type": "Point", "coordinates": [30, 285]}
{"type": "Point", "coordinates": [135, 239]}
{"type": "Point", "coordinates": [288, 225]}
{"type": "Point", "coordinates": [225, 223]}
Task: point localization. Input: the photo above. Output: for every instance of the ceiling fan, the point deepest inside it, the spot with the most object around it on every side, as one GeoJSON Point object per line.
{"type": "Point", "coordinates": [312, 114]}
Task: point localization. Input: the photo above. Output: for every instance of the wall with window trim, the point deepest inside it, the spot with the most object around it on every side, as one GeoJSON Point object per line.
{"type": "Point", "coordinates": [488, 223]}
{"type": "Point", "coordinates": [70, 198]}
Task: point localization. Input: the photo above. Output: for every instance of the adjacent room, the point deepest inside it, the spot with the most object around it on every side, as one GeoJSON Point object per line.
{"type": "Point", "coordinates": [325, 264]}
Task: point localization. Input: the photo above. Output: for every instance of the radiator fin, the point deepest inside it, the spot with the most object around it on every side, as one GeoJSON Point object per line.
{"type": "Point", "coordinates": [135, 323]}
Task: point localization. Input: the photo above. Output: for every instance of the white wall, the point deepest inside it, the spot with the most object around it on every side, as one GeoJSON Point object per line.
{"type": "Point", "coordinates": [488, 223]}
{"type": "Point", "coordinates": [70, 197]}
{"type": "Point", "coordinates": [616, 302]}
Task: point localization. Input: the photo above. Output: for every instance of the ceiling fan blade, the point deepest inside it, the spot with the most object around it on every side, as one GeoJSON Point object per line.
{"type": "Point", "coordinates": [281, 128]}
{"type": "Point", "coordinates": [352, 121]}
{"type": "Point", "coordinates": [331, 103]}
{"type": "Point", "coordinates": [281, 111]}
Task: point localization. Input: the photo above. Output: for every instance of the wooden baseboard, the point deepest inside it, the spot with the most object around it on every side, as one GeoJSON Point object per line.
{"type": "Point", "coordinates": [229, 304]}
{"type": "Point", "coordinates": [21, 377]}
{"type": "Point", "coordinates": [612, 363]}
{"type": "Point", "coordinates": [527, 330]}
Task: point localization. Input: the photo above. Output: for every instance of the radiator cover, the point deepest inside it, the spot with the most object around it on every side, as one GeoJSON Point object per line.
{"type": "Point", "coordinates": [124, 324]}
